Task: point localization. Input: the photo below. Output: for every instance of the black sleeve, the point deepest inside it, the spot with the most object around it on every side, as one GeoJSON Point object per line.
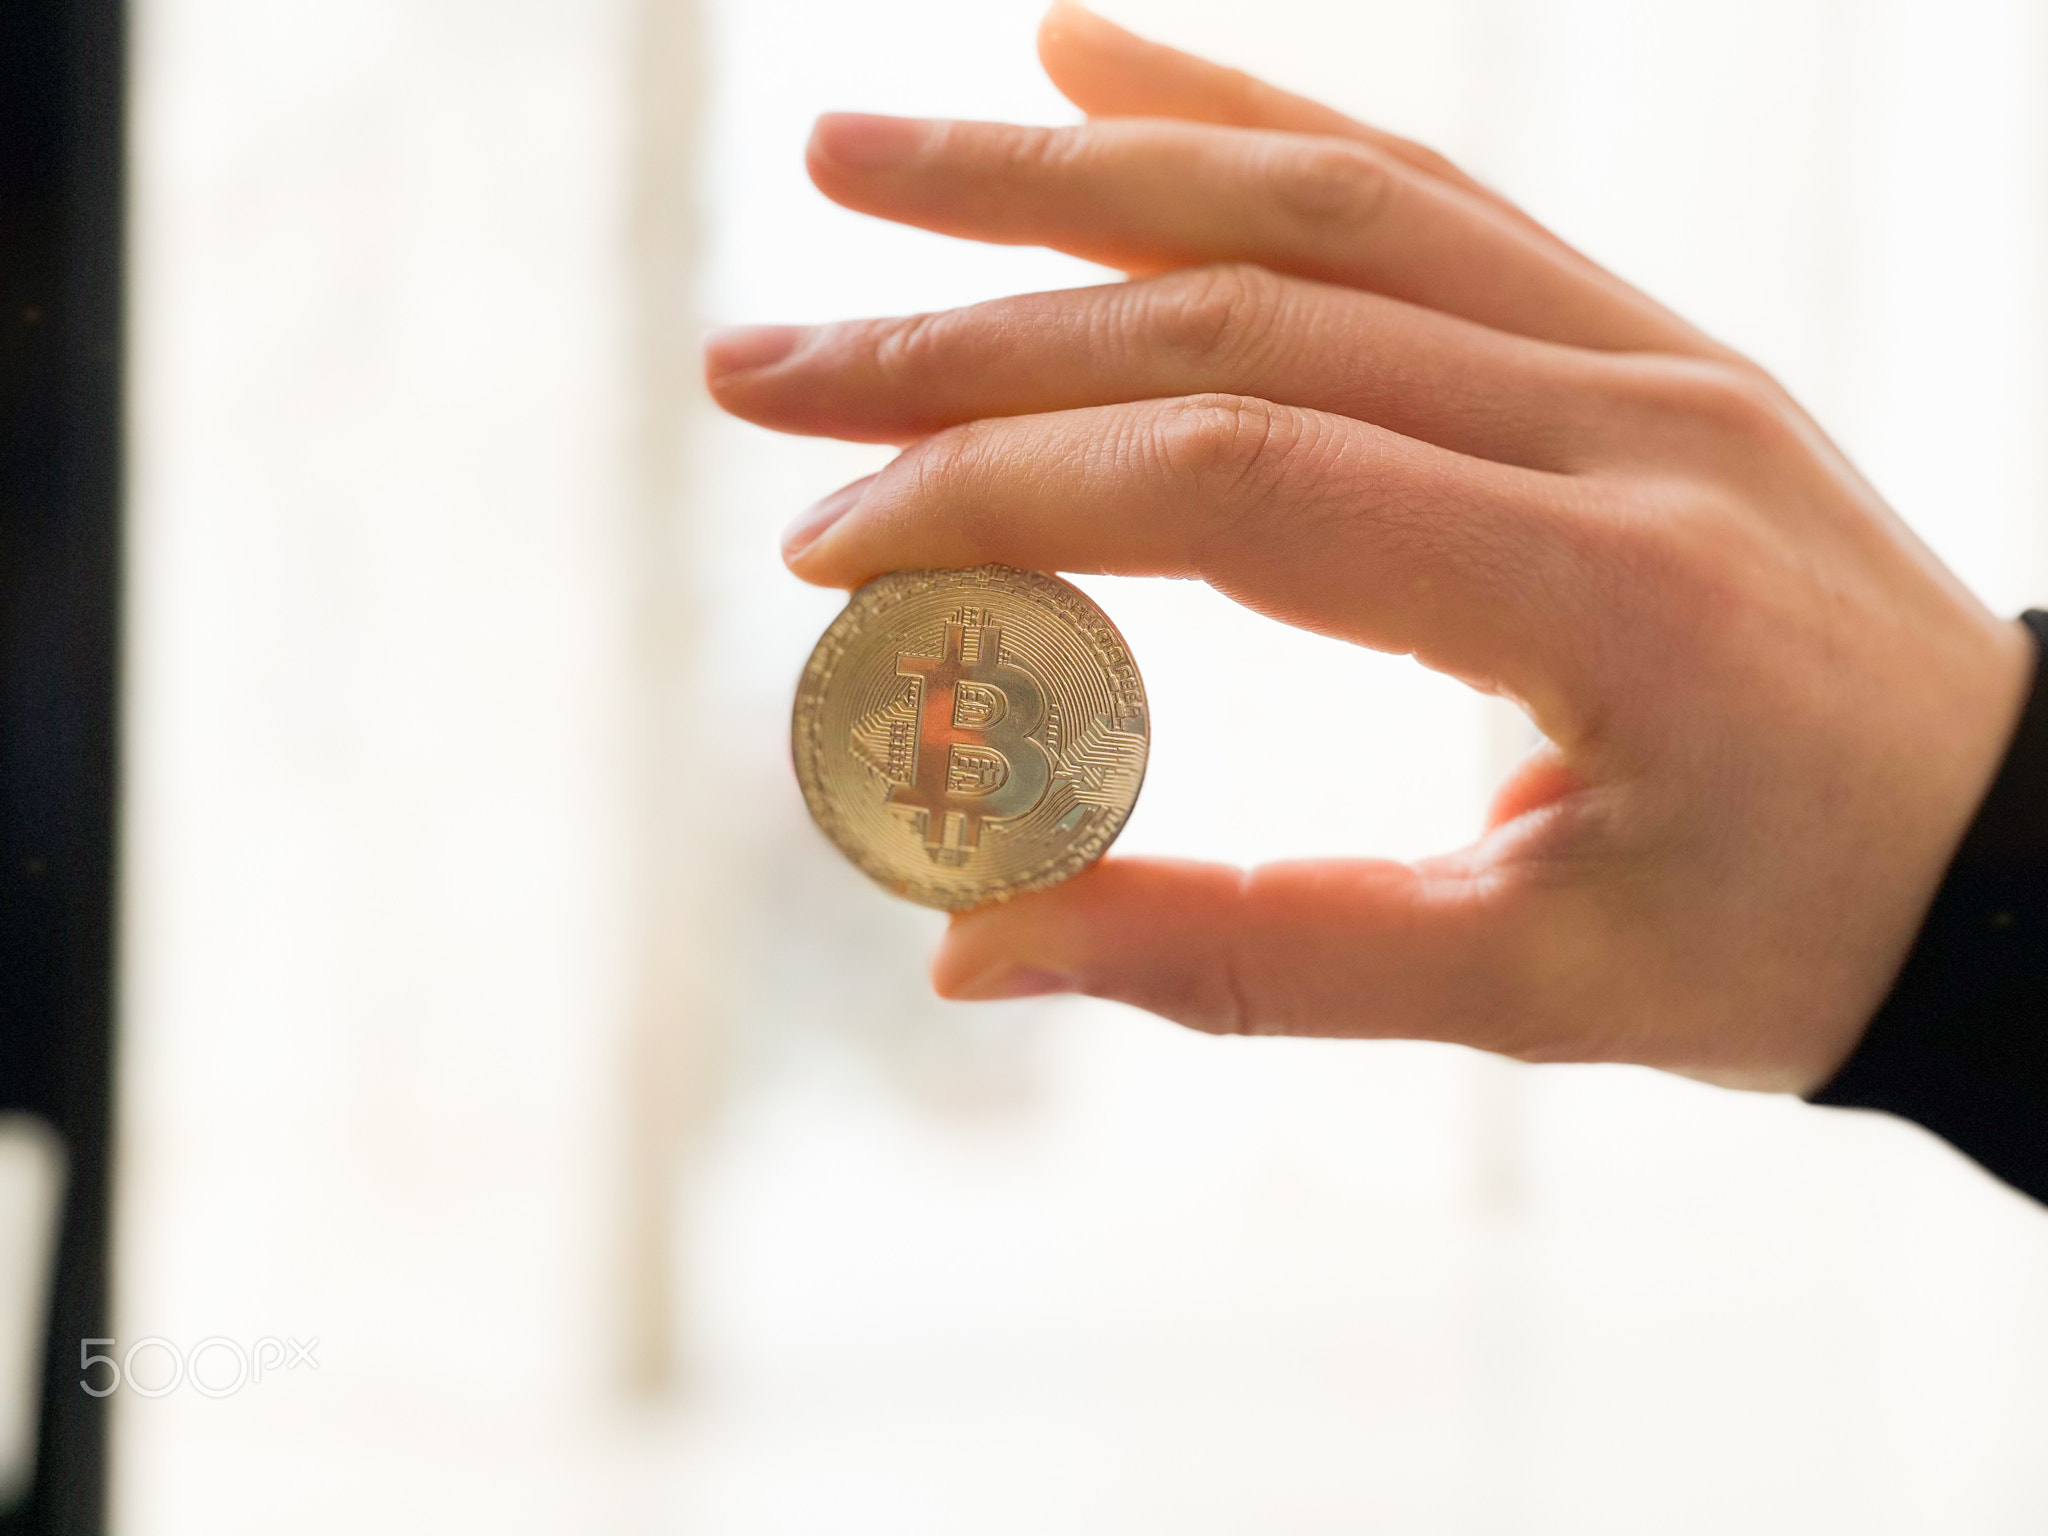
{"type": "Point", "coordinates": [1961, 1044]}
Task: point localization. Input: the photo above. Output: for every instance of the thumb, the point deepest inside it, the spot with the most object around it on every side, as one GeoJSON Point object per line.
{"type": "Point", "coordinates": [1329, 947]}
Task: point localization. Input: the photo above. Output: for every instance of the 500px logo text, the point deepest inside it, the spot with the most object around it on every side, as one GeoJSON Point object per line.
{"type": "Point", "coordinates": [215, 1367]}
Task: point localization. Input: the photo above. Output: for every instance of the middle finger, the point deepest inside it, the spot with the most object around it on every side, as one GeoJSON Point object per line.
{"type": "Point", "coordinates": [1231, 330]}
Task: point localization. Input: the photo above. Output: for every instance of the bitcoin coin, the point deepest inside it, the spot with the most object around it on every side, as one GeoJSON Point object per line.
{"type": "Point", "coordinates": [965, 736]}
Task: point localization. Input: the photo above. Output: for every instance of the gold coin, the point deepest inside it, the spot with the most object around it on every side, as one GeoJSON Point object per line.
{"type": "Point", "coordinates": [965, 736]}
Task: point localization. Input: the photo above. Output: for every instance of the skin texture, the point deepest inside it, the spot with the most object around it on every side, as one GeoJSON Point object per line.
{"type": "Point", "coordinates": [1356, 391]}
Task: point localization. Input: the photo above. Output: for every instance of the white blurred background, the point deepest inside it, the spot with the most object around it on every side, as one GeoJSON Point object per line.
{"type": "Point", "coordinates": [494, 1017]}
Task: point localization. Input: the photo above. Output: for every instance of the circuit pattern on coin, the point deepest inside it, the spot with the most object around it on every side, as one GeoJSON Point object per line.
{"type": "Point", "coordinates": [966, 736]}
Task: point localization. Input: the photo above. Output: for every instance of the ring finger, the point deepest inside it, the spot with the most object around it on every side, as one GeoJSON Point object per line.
{"type": "Point", "coordinates": [1143, 195]}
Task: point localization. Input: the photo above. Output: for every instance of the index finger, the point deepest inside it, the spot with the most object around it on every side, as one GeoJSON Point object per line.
{"type": "Point", "coordinates": [1477, 569]}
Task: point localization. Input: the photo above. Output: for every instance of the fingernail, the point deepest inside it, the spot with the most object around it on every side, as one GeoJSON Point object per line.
{"type": "Point", "coordinates": [806, 530]}
{"type": "Point", "coordinates": [863, 142]}
{"type": "Point", "coordinates": [1015, 981]}
{"type": "Point", "coordinates": [736, 348]}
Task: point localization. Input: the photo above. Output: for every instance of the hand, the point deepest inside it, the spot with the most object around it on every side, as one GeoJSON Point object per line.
{"type": "Point", "coordinates": [1356, 391]}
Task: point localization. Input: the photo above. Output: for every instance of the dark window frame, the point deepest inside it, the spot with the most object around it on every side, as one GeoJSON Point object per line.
{"type": "Point", "coordinates": [62, 77]}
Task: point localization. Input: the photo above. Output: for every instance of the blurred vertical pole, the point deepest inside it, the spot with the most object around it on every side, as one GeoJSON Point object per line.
{"type": "Point", "coordinates": [672, 1057]}
{"type": "Point", "coordinates": [61, 82]}
{"type": "Point", "coordinates": [1499, 111]}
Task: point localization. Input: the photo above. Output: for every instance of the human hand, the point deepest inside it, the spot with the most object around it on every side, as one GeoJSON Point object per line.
{"type": "Point", "coordinates": [1356, 391]}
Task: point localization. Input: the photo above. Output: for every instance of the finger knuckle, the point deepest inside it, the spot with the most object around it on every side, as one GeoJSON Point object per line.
{"type": "Point", "coordinates": [1212, 314]}
{"type": "Point", "coordinates": [1334, 189]}
{"type": "Point", "coordinates": [904, 350]}
{"type": "Point", "coordinates": [1029, 152]}
{"type": "Point", "coordinates": [1432, 162]}
{"type": "Point", "coordinates": [1224, 994]}
{"type": "Point", "coordinates": [1231, 1009]}
{"type": "Point", "coordinates": [1735, 405]}
{"type": "Point", "coordinates": [947, 460]}
{"type": "Point", "coordinates": [1232, 439]}
{"type": "Point", "coordinates": [1209, 997]}
{"type": "Point", "coordinates": [1672, 557]}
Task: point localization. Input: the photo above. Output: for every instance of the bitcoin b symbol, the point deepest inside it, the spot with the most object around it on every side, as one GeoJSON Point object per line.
{"type": "Point", "coordinates": [975, 756]}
